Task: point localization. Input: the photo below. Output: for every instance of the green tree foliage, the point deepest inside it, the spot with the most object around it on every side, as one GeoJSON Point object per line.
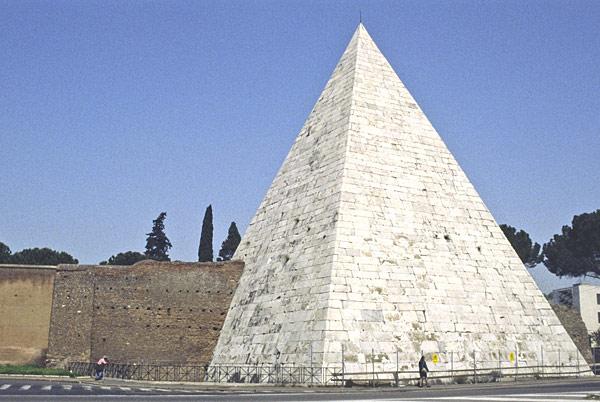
{"type": "Point", "coordinates": [230, 244]}
{"type": "Point", "coordinates": [157, 242]}
{"type": "Point", "coordinates": [126, 258]}
{"type": "Point", "coordinates": [595, 338]}
{"type": "Point", "coordinates": [576, 251]}
{"type": "Point", "coordinates": [41, 256]}
{"type": "Point", "coordinates": [205, 249]}
{"type": "Point", "coordinates": [528, 252]}
{"type": "Point", "coordinates": [5, 253]}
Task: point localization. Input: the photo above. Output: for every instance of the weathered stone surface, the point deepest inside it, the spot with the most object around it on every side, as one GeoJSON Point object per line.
{"type": "Point", "coordinates": [169, 313]}
{"type": "Point", "coordinates": [372, 239]}
{"type": "Point", "coordinates": [25, 300]}
{"type": "Point", "coordinates": [573, 324]}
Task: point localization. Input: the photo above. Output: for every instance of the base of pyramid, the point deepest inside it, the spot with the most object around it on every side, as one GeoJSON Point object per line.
{"type": "Point", "coordinates": [444, 369]}
{"type": "Point", "coordinates": [465, 361]}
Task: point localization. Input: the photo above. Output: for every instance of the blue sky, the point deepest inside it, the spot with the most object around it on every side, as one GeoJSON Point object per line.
{"type": "Point", "coordinates": [111, 112]}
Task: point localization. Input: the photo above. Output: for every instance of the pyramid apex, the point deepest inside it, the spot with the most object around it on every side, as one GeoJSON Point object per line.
{"type": "Point", "coordinates": [362, 33]}
{"type": "Point", "coordinates": [361, 29]}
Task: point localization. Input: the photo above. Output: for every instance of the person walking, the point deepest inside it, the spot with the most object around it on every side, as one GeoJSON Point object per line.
{"type": "Point", "coordinates": [100, 366]}
{"type": "Point", "coordinates": [423, 370]}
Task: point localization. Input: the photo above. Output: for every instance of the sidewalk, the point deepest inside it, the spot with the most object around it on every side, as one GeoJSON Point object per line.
{"type": "Point", "coordinates": [228, 387]}
{"type": "Point", "coordinates": [38, 377]}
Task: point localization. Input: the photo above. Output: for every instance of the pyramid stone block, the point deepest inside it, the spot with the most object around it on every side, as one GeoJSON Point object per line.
{"type": "Point", "coordinates": [372, 242]}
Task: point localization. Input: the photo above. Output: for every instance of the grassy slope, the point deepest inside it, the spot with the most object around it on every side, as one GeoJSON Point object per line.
{"type": "Point", "coordinates": [10, 369]}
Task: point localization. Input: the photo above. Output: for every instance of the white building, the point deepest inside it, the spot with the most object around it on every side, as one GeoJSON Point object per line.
{"type": "Point", "coordinates": [585, 298]}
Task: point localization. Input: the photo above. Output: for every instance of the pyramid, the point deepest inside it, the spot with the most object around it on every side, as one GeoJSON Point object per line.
{"type": "Point", "coordinates": [371, 246]}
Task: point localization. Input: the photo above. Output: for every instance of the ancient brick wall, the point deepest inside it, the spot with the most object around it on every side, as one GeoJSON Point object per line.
{"type": "Point", "coordinates": [150, 312]}
{"type": "Point", "coordinates": [571, 320]}
{"type": "Point", "coordinates": [72, 309]}
{"type": "Point", "coordinates": [25, 299]}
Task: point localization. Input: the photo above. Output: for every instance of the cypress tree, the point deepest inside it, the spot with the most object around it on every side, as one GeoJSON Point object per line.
{"type": "Point", "coordinates": [157, 242]}
{"type": "Point", "coordinates": [5, 253]}
{"type": "Point", "coordinates": [230, 244]}
{"type": "Point", "coordinates": [205, 249]}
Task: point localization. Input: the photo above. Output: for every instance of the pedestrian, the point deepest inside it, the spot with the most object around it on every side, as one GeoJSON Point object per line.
{"type": "Point", "coordinates": [423, 370]}
{"type": "Point", "coordinates": [100, 366]}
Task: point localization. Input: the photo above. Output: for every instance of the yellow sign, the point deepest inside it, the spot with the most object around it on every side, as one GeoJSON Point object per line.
{"type": "Point", "coordinates": [435, 358]}
{"type": "Point", "coordinates": [511, 357]}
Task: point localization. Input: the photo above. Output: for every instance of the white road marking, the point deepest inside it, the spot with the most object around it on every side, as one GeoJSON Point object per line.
{"type": "Point", "coordinates": [5, 386]}
{"type": "Point", "coordinates": [577, 394]}
{"type": "Point", "coordinates": [125, 388]}
{"type": "Point", "coordinates": [46, 387]}
{"type": "Point", "coordinates": [105, 388]}
{"type": "Point", "coordinates": [562, 397]}
{"type": "Point", "coordinates": [87, 387]}
{"type": "Point", "coordinates": [520, 398]}
{"type": "Point", "coordinates": [67, 387]}
{"type": "Point", "coordinates": [145, 389]}
{"type": "Point", "coordinates": [25, 387]}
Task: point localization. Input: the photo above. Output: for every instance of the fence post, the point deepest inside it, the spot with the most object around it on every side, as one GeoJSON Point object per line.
{"type": "Point", "coordinates": [343, 366]}
{"type": "Point", "coordinates": [577, 354]}
{"type": "Point", "coordinates": [559, 363]}
{"type": "Point", "coordinates": [278, 373]}
{"type": "Point", "coordinates": [373, 364]}
{"type": "Point", "coordinates": [311, 369]}
{"type": "Point", "coordinates": [516, 361]}
{"type": "Point", "coordinates": [474, 367]}
{"type": "Point", "coordinates": [397, 370]}
{"type": "Point", "coordinates": [542, 350]}
{"type": "Point", "coordinates": [499, 364]}
{"type": "Point", "coordinates": [452, 365]}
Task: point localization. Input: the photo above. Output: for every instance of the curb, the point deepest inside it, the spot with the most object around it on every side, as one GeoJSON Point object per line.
{"type": "Point", "coordinates": [212, 386]}
{"type": "Point", "coordinates": [289, 388]}
{"type": "Point", "coordinates": [40, 377]}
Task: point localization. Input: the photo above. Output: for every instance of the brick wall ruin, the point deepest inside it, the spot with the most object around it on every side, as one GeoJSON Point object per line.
{"type": "Point", "coordinates": [151, 312]}
{"type": "Point", "coordinates": [571, 320]}
{"type": "Point", "coordinates": [25, 300]}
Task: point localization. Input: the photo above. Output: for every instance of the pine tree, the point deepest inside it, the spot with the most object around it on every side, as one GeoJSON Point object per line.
{"type": "Point", "coordinates": [205, 249]}
{"type": "Point", "coordinates": [35, 256]}
{"type": "Point", "coordinates": [157, 242]}
{"type": "Point", "coordinates": [125, 258]}
{"type": "Point", "coordinates": [528, 251]}
{"type": "Point", "coordinates": [230, 244]}
{"type": "Point", "coordinates": [42, 256]}
{"type": "Point", "coordinates": [576, 250]}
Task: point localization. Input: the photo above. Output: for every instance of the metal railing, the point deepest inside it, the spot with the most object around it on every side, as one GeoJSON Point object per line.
{"type": "Point", "coordinates": [461, 376]}
{"type": "Point", "coordinates": [323, 376]}
{"type": "Point", "coordinates": [144, 372]}
{"type": "Point", "coordinates": [273, 374]}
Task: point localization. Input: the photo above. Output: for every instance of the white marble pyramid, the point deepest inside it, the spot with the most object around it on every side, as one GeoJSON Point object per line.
{"type": "Point", "coordinates": [372, 240]}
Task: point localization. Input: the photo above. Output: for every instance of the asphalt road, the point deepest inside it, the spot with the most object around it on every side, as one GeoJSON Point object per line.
{"type": "Point", "coordinates": [24, 390]}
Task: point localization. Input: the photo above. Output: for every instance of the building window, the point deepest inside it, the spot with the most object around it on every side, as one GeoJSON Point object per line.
{"type": "Point", "coordinates": [598, 317]}
{"type": "Point", "coordinates": [597, 298]}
